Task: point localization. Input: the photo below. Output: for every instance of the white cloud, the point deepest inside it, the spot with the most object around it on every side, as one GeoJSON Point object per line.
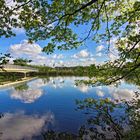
{"type": "Point", "coordinates": [38, 83]}
{"type": "Point", "coordinates": [19, 126]}
{"type": "Point", "coordinates": [100, 93]}
{"type": "Point", "coordinates": [31, 94]}
{"type": "Point", "coordinates": [61, 62]}
{"type": "Point", "coordinates": [80, 62]}
{"type": "Point", "coordinates": [42, 60]}
{"type": "Point", "coordinates": [121, 93]}
{"type": "Point", "coordinates": [99, 54]}
{"type": "Point", "coordinates": [92, 59]}
{"type": "Point", "coordinates": [112, 53]}
{"type": "Point", "coordinates": [83, 88]}
{"type": "Point", "coordinates": [34, 52]}
{"type": "Point", "coordinates": [82, 58]}
{"type": "Point", "coordinates": [112, 56]}
{"type": "Point", "coordinates": [57, 56]}
{"type": "Point", "coordinates": [99, 48]}
{"type": "Point", "coordinates": [28, 96]}
{"type": "Point", "coordinates": [25, 48]}
{"type": "Point", "coordinates": [82, 54]}
{"type": "Point", "coordinates": [113, 41]}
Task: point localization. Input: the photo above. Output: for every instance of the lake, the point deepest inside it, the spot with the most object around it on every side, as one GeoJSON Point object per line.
{"type": "Point", "coordinates": [44, 104]}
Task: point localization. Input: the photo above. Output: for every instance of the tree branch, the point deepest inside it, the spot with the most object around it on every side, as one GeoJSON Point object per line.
{"type": "Point", "coordinates": [93, 24]}
{"type": "Point", "coordinates": [126, 74]}
{"type": "Point", "coordinates": [107, 26]}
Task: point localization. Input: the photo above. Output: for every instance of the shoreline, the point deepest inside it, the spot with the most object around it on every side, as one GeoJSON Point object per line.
{"type": "Point", "coordinates": [10, 83]}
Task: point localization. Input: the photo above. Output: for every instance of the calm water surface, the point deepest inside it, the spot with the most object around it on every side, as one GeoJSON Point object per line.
{"type": "Point", "coordinates": [49, 104]}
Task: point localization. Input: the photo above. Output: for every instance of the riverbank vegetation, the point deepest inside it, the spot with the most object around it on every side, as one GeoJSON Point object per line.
{"type": "Point", "coordinates": [6, 77]}
{"type": "Point", "coordinates": [101, 74]}
{"type": "Point", "coordinates": [103, 121]}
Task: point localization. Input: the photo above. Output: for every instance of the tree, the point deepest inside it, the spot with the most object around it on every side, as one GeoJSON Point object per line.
{"type": "Point", "coordinates": [21, 61]}
{"type": "Point", "coordinates": [4, 59]}
{"type": "Point", "coordinates": [55, 19]}
{"type": "Point", "coordinates": [104, 118]}
{"type": "Point", "coordinates": [58, 20]}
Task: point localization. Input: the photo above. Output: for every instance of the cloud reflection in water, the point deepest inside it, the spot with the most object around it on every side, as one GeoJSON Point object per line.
{"type": "Point", "coordinates": [28, 96]}
{"type": "Point", "coordinates": [19, 126]}
{"type": "Point", "coordinates": [35, 89]}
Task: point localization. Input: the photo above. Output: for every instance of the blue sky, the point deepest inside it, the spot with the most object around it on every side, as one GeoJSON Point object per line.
{"type": "Point", "coordinates": [92, 53]}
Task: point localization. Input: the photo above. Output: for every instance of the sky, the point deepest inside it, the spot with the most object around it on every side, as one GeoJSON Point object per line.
{"type": "Point", "coordinates": [19, 47]}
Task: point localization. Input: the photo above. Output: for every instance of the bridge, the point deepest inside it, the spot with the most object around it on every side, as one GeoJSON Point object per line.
{"type": "Point", "coordinates": [17, 68]}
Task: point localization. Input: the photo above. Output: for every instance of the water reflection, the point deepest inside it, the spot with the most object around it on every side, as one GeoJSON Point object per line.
{"type": "Point", "coordinates": [116, 92]}
{"type": "Point", "coordinates": [30, 92]}
{"type": "Point", "coordinates": [112, 119]}
{"type": "Point", "coordinates": [18, 126]}
{"type": "Point", "coordinates": [100, 93]}
{"type": "Point", "coordinates": [99, 114]}
{"type": "Point", "coordinates": [28, 96]}
{"type": "Point", "coordinates": [104, 122]}
{"type": "Point", "coordinates": [126, 94]}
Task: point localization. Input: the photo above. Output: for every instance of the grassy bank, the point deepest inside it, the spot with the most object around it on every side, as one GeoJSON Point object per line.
{"type": "Point", "coordinates": [10, 77]}
{"type": "Point", "coordinates": [10, 83]}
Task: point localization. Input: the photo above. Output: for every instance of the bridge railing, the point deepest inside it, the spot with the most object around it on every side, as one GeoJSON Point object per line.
{"type": "Point", "coordinates": [10, 66]}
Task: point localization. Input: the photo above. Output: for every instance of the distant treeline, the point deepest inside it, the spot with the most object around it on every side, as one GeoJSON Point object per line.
{"type": "Point", "coordinates": [75, 71]}
{"type": "Point", "coordinates": [106, 74]}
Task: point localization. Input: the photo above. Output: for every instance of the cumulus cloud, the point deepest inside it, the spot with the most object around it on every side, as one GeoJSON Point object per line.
{"type": "Point", "coordinates": [100, 93]}
{"type": "Point", "coordinates": [59, 82]}
{"type": "Point", "coordinates": [28, 96]}
{"type": "Point", "coordinates": [82, 58]}
{"type": "Point", "coordinates": [112, 53]}
{"type": "Point", "coordinates": [42, 60]}
{"type": "Point", "coordinates": [99, 48]}
{"type": "Point", "coordinates": [116, 92]}
{"type": "Point", "coordinates": [59, 56]}
{"type": "Point", "coordinates": [122, 94]}
{"type": "Point", "coordinates": [31, 94]}
{"type": "Point", "coordinates": [25, 48]}
{"type": "Point", "coordinates": [38, 83]}
{"type": "Point", "coordinates": [99, 54]}
{"type": "Point", "coordinates": [79, 62]}
{"type": "Point", "coordinates": [82, 54]}
{"type": "Point", "coordinates": [19, 126]}
{"type": "Point", "coordinates": [83, 88]}
{"type": "Point", "coordinates": [34, 52]}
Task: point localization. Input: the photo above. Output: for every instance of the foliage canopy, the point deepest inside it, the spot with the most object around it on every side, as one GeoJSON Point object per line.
{"type": "Point", "coordinates": [59, 22]}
